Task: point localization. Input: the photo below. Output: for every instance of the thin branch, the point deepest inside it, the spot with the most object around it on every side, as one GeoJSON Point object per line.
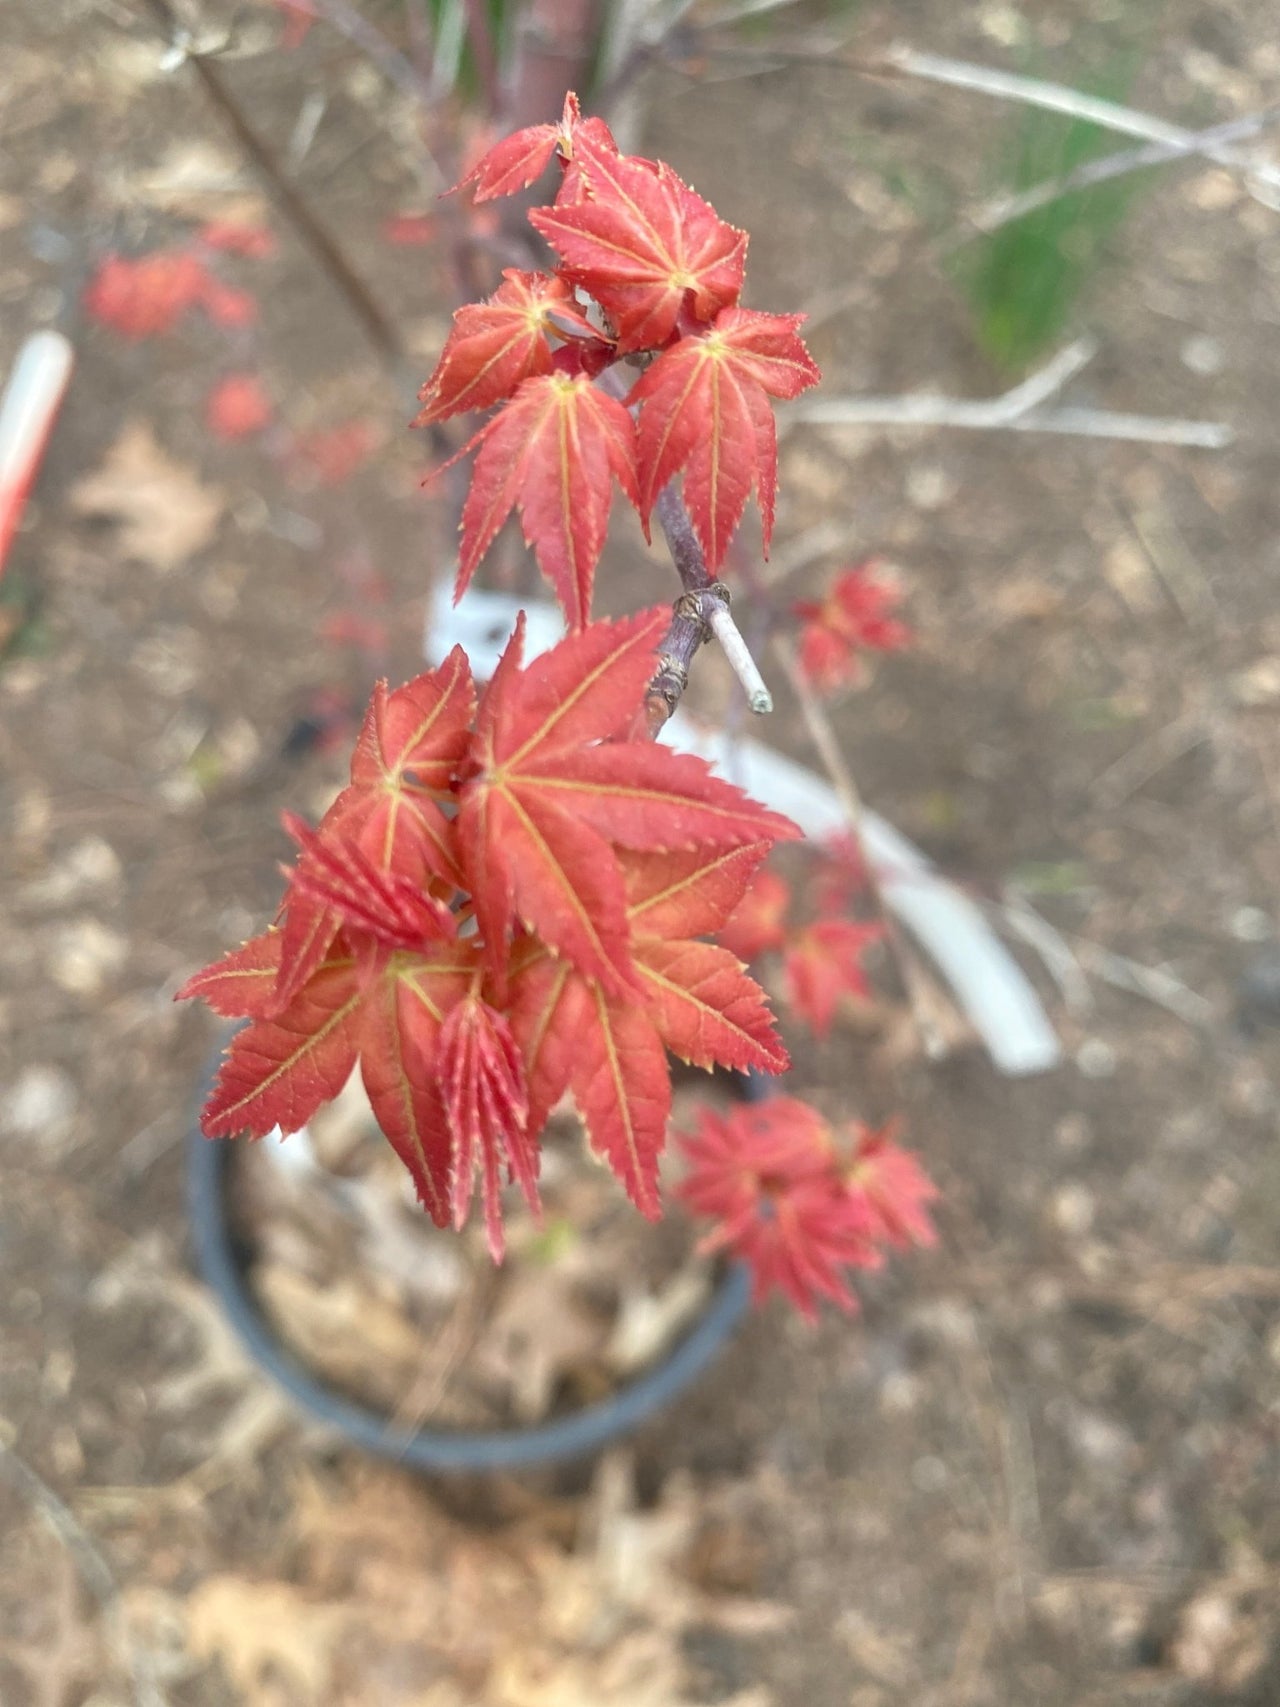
{"type": "Point", "coordinates": [700, 611]}
{"type": "Point", "coordinates": [1003, 210]}
{"type": "Point", "coordinates": [1073, 103]}
{"type": "Point", "coordinates": [378, 326]}
{"type": "Point", "coordinates": [925, 410]}
{"type": "Point", "coordinates": [348, 21]}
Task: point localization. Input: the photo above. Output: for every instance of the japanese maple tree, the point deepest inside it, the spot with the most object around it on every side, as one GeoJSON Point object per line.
{"type": "Point", "coordinates": [517, 894]}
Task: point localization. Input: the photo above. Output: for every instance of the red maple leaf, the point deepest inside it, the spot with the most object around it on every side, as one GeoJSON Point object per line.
{"type": "Point", "coordinates": [758, 922]}
{"type": "Point", "coordinates": [495, 344]}
{"type": "Point", "coordinates": [706, 410]}
{"type": "Point", "coordinates": [145, 297]}
{"type": "Point", "coordinates": [644, 244]}
{"type": "Point", "coordinates": [823, 964]}
{"type": "Point", "coordinates": [513, 164]}
{"type": "Point", "coordinates": [767, 1176]}
{"type": "Point", "coordinates": [331, 455]}
{"type": "Point", "coordinates": [237, 407]}
{"type": "Point", "coordinates": [280, 1069]}
{"type": "Point", "coordinates": [856, 615]}
{"type": "Point", "coordinates": [553, 790]}
{"type": "Point", "coordinates": [227, 306]}
{"type": "Point", "coordinates": [551, 452]}
{"type": "Point", "coordinates": [894, 1186]}
{"type": "Point", "coordinates": [690, 997]}
{"type": "Point", "coordinates": [242, 984]}
{"type": "Point", "coordinates": [410, 230]}
{"type": "Point", "coordinates": [405, 764]}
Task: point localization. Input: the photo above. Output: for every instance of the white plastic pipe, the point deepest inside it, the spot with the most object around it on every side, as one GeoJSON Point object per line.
{"type": "Point", "coordinates": [987, 982]}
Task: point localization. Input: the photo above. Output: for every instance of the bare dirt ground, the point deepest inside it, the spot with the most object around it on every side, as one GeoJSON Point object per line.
{"type": "Point", "coordinates": [1042, 1466]}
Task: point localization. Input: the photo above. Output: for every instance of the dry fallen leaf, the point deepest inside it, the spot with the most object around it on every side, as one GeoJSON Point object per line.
{"type": "Point", "coordinates": [275, 1643]}
{"type": "Point", "coordinates": [163, 511]}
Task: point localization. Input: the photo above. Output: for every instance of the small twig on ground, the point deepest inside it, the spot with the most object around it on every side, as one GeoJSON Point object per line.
{"type": "Point", "coordinates": [1155, 983]}
{"type": "Point", "coordinates": [1019, 410]}
{"type": "Point", "coordinates": [94, 1571]}
{"type": "Point", "coordinates": [1073, 103]}
{"type": "Point", "coordinates": [1019, 916]}
{"type": "Point", "coordinates": [1003, 210]}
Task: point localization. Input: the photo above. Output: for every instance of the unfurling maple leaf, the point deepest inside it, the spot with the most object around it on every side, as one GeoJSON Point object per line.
{"type": "Point", "coordinates": [856, 615]}
{"type": "Point", "coordinates": [487, 1103]}
{"type": "Point", "coordinates": [823, 964]}
{"type": "Point", "coordinates": [237, 407]}
{"type": "Point", "coordinates": [551, 452]}
{"type": "Point", "coordinates": [644, 244]}
{"type": "Point", "coordinates": [495, 344]}
{"type": "Point", "coordinates": [514, 163]}
{"type": "Point", "coordinates": [690, 997]}
{"type": "Point", "coordinates": [706, 410]}
{"type": "Point", "coordinates": [394, 910]}
{"type": "Point", "coordinates": [553, 791]}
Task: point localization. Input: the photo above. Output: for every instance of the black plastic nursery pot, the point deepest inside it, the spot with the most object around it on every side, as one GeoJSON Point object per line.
{"type": "Point", "coordinates": [575, 1435]}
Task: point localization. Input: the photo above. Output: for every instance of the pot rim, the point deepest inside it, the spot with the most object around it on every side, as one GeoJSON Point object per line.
{"type": "Point", "coordinates": [561, 1438]}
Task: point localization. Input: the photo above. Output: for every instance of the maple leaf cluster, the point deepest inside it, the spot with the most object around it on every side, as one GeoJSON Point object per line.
{"type": "Point", "coordinates": [146, 296]}
{"type": "Point", "coordinates": [800, 1202]}
{"type": "Point", "coordinates": [509, 900]}
{"type": "Point", "coordinates": [822, 960]}
{"type": "Point", "coordinates": [857, 615]}
{"type": "Point", "coordinates": [648, 274]}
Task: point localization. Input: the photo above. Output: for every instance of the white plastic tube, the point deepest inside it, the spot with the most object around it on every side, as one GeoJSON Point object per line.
{"type": "Point", "coordinates": [987, 982]}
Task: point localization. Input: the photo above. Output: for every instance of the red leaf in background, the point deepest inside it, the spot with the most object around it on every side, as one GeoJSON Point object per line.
{"type": "Point", "coordinates": [823, 964]}
{"type": "Point", "coordinates": [410, 230]}
{"type": "Point", "coordinates": [495, 344]}
{"type": "Point", "coordinates": [843, 875]}
{"type": "Point", "coordinates": [514, 163]}
{"type": "Point", "coordinates": [766, 1176]}
{"type": "Point", "coordinates": [368, 634]}
{"type": "Point", "coordinates": [536, 821]}
{"type": "Point", "coordinates": [758, 923]}
{"type": "Point", "coordinates": [706, 410]}
{"type": "Point", "coordinates": [227, 306]}
{"type": "Point", "coordinates": [551, 451]}
{"type": "Point", "coordinates": [148, 296]}
{"type": "Point", "coordinates": [237, 407]}
{"type": "Point", "coordinates": [482, 1078]}
{"type": "Point", "coordinates": [299, 15]}
{"type": "Point", "coordinates": [231, 237]}
{"type": "Point", "coordinates": [643, 244]}
{"type": "Point", "coordinates": [278, 1071]}
{"type": "Point", "coordinates": [894, 1186]}
{"type": "Point", "coordinates": [242, 984]}
{"type": "Point", "coordinates": [856, 615]}
{"type": "Point", "coordinates": [333, 454]}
